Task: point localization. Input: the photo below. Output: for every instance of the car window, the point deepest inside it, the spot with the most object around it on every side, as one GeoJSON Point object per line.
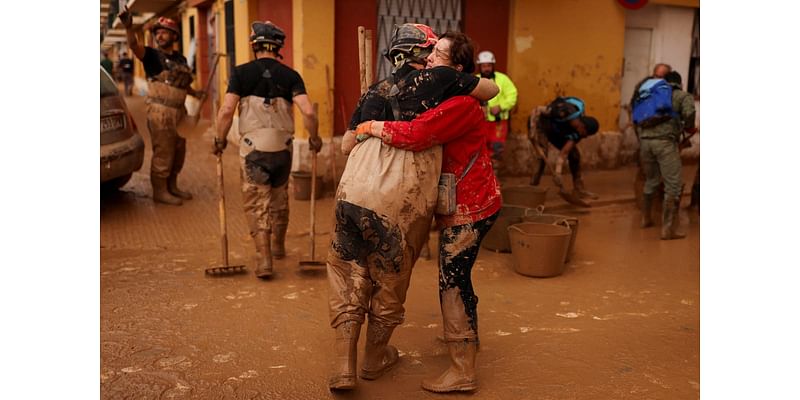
{"type": "Point", "coordinates": [107, 86]}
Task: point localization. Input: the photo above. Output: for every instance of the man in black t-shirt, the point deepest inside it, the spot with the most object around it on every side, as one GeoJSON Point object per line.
{"type": "Point", "coordinates": [264, 90]}
{"type": "Point", "coordinates": [169, 81]}
{"type": "Point", "coordinates": [126, 70]}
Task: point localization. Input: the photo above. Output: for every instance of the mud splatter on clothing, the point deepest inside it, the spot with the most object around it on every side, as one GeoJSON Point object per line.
{"type": "Point", "coordinates": [458, 249]}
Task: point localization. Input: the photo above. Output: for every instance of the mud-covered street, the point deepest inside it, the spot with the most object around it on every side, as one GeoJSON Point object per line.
{"type": "Point", "coordinates": [622, 322]}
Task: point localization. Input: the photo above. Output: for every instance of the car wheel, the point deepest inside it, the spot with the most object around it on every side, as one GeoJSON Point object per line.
{"type": "Point", "coordinates": [116, 183]}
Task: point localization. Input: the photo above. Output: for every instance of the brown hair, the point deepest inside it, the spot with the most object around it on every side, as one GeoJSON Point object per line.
{"type": "Point", "coordinates": [462, 51]}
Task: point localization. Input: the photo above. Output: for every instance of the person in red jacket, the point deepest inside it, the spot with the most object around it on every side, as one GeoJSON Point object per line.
{"type": "Point", "coordinates": [456, 124]}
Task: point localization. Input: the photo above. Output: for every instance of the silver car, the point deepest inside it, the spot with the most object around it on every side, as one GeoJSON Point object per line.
{"type": "Point", "coordinates": [121, 146]}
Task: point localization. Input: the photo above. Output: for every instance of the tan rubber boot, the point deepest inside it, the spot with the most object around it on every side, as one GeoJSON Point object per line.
{"type": "Point", "coordinates": [461, 376]}
{"type": "Point", "coordinates": [379, 356]}
{"type": "Point", "coordinates": [279, 241]}
{"type": "Point", "coordinates": [264, 256]}
{"type": "Point", "coordinates": [161, 194]}
{"type": "Point", "coordinates": [345, 352]}
{"type": "Point", "coordinates": [647, 211]}
{"type": "Point", "coordinates": [671, 220]}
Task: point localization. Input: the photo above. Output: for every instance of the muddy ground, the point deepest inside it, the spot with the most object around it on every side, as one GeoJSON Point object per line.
{"type": "Point", "coordinates": [622, 322]}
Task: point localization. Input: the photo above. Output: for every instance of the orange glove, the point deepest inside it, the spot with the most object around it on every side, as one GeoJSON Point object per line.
{"type": "Point", "coordinates": [363, 131]}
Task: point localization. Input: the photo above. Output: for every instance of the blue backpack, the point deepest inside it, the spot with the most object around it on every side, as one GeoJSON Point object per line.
{"type": "Point", "coordinates": [653, 103]}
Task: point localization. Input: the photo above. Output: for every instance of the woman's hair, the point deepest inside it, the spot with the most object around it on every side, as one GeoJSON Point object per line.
{"type": "Point", "coordinates": [462, 51]}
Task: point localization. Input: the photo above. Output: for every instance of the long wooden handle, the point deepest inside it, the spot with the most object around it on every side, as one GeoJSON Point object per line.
{"type": "Point", "coordinates": [368, 58]}
{"type": "Point", "coordinates": [313, 200]}
{"type": "Point", "coordinates": [223, 230]}
{"type": "Point", "coordinates": [362, 57]}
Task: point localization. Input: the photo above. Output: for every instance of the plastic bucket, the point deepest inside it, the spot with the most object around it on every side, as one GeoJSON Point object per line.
{"type": "Point", "coordinates": [524, 196]}
{"type": "Point", "coordinates": [497, 237]}
{"type": "Point", "coordinates": [555, 219]}
{"type": "Point", "coordinates": [539, 249]}
{"type": "Point", "coordinates": [301, 185]}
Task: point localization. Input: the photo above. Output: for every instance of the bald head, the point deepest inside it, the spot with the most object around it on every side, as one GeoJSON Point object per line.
{"type": "Point", "coordinates": [661, 70]}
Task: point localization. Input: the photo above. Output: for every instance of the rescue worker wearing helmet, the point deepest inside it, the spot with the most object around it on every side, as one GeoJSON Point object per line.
{"type": "Point", "coordinates": [264, 90]}
{"type": "Point", "coordinates": [498, 109]}
{"type": "Point", "coordinates": [169, 80]}
{"type": "Point", "coordinates": [384, 206]}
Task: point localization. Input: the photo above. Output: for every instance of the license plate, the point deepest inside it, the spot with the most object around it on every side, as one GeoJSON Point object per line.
{"type": "Point", "coordinates": [112, 123]}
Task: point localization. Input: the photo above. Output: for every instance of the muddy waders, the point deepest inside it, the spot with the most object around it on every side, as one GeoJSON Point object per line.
{"type": "Point", "coordinates": [166, 94]}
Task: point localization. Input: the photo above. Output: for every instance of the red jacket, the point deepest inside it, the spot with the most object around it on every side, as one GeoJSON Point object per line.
{"type": "Point", "coordinates": [457, 124]}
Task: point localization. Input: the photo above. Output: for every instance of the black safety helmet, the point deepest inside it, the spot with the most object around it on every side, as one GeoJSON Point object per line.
{"type": "Point", "coordinates": [410, 42]}
{"type": "Point", "coordinates": [266, 36]}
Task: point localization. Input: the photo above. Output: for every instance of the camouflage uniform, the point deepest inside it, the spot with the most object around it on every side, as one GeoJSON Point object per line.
{"type": "Point", "coordinates": [659, 146]}
{"type": "Point", "coordinates": [660, 157]}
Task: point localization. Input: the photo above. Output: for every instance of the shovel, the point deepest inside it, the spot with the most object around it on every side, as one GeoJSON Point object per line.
{"type": "Point", "coordinates": [225, 268]}
{"type": "Point", "coordinates": [312, 263]}
{"type": "Point", "coordinates": [567, 196]}
{"type": "Point", "coordinates": [194, 119]}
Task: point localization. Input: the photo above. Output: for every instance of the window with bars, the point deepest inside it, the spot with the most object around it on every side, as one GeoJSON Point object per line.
{"type": "Point", "coordinates": [441, 15]}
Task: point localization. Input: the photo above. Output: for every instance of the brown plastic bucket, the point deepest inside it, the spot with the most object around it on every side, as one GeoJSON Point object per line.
{"type": "Point", "coordinates": [301, 185]}
{"type": "Point", "coordinates": [538, 217]}
{"type": "Point", "coordinates": [539, 249]}
{"type": "Point", "coordinates": [497, 237]}
{"type": "Point", "coordinates": [524, 196]}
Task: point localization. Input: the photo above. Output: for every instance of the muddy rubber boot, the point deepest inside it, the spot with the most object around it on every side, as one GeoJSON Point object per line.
{"type": "Point", "coordinates": [580, 189]}
{"type": "Point", "coordinates": [379, 356]}
{"type": "Point", "coordinates": [177, 166]}
{"type": "Point", "coordinates": [647, 211]}
{"type": "Point", "coordinates": [279, 241]}
{"type": "Point", "coordinates": [345, 356]}
{"type": "Point", "coordinates": [461, 376]}
{"type": "Point", "coordinates": [671, 220]}
{"type": "Point", "coordinates": [161, 194]}
{"type": "Point", "coordinates": [264, 256]}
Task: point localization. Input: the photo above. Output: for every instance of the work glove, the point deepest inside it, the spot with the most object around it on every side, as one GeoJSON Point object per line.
{"type": "Point", "coordinates": [315, 143]}
{"type": "Point", "coordinates": [126, 18]}
{"type": "Point", "coordinates": [219, 145]}
{"type": "Point", "coordinates": [363, 131]}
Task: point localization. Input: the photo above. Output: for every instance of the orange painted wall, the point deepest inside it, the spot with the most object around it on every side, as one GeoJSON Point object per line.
{"type": "Point", "coordinates": [567, 47]}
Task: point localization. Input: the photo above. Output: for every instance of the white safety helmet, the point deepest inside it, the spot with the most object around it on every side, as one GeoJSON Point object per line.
{"type": "Point", "coordinates": [485, 57]}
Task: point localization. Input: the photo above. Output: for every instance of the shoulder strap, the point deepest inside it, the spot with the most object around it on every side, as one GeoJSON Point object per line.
{"type": "Point", "coordinates": [267, 74]}
{"type": "Point", "coordinates": [469, 166]}
{"type": "Point", "coordinates": [393, 102]}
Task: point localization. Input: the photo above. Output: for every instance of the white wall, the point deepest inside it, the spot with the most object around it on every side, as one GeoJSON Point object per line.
{"type": "Point", "coordinates": [672, 35]}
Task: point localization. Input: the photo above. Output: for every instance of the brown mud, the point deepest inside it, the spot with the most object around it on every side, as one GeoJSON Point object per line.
{"type": "Point", "coordinates": [622, 322]}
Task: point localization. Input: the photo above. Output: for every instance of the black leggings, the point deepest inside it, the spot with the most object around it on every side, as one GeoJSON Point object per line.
{"type": "Point", "coordinates": [458, 249]}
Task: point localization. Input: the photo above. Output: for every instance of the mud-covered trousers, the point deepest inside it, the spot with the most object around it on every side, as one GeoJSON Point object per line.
{"type": "Point", "coordinates": [169, 149]}
{"type": "Point", "coordinates": [369, 268]}
{"type": "Point", "coordinates": [458, 249]}
{"type": "Point", "coordinates": [660, 158]}
{"type": "Point", "coordinates": [265, 178]}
